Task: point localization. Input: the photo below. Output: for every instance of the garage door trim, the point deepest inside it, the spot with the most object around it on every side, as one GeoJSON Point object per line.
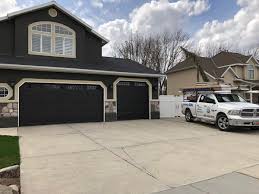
{"type": "Point", "coordinates": [133, 80]}
{"type": "Point", "coordinates": [56, 81]}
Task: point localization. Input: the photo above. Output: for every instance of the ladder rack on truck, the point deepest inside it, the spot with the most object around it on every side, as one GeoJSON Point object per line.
{"type": "Point", "coordinates": [214, 103]}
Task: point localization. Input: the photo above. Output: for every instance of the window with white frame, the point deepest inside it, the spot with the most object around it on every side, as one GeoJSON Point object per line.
{"type": "Point", "coordinates": [3, 92]}
{"type": "Point", "coordinates": [250, 72]}
{"type": "Point", "coordinates": [6, 92]}
{"type": "Point", "coordinates": [52, 39]}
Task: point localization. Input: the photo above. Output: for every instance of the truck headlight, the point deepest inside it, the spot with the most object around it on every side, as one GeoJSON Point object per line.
{"type": "Point", "coordinates": [234, 112]}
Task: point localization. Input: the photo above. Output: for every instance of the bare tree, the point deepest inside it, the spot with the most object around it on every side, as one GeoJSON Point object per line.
{"type": "Point", "coordinates": [159, 52]}
{"type": "Point", "coordinates": [252, 51]}
{"type": "Point", "coordinates": [211, 50]}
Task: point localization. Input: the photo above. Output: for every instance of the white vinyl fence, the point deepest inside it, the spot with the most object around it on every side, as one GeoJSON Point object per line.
{"type": "Point", "coordinates": [170, 106]}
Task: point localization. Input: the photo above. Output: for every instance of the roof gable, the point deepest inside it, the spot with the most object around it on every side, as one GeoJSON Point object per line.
{"type": "Point", "coordinates": [230, 69]}
{"type": "Point", "coordinates": [60, 8]}
{"type": "Point", "coordinates": [228, 58]}
{"type": "Point", "coordinates": [253, 59]}
{"type": "Point", "coordinates": [215, 66]}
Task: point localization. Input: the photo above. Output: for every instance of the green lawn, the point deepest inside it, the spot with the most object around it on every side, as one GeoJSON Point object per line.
{"type": "Point", "coordinates": [9, 151]}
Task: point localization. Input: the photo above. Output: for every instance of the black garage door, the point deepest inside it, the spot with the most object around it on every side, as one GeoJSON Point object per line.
{"type": "Point", "coordinates": [132, 101]}
{"type": "Point", "coordinates": [60, 103]}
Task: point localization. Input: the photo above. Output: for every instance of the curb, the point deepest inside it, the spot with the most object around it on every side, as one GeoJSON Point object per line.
{"type": "Point", "coordinates": [10, 168]}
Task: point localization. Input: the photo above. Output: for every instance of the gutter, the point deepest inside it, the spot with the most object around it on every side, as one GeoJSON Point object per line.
{"type": "Point", "coordinates": [75, 70]}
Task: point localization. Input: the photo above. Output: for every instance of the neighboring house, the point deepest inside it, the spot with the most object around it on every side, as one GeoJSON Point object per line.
{"type": "Point", "coordinates": [237, 70]}
{"type": "Point", "coordinates": [52, 71]}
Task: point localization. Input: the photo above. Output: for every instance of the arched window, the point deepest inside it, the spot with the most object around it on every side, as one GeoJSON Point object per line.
{"type": "Point", "coordinates": [52, 39]}
{"type": "Point", "coordinates": [250, 72]}
{"type": "Point", "coordinates": [6, 92]}
{"type": "Point", "coordinates": [3, 92]}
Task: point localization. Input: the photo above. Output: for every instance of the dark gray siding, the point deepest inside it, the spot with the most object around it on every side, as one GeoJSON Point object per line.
{"type": "Point", "coordinates": [12, 77]}
{"type": "Point", "coordinates": [6, 38]}
{"type": "Point", "coordinates": [88, 48]}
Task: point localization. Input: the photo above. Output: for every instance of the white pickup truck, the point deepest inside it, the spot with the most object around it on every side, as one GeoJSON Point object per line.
{"type": "Point", "coordinates": [226, 110]}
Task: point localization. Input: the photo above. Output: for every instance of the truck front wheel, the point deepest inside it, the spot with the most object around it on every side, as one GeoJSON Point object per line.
{"type": "Point", "coordinates": [188, 116]}
{"type": "Point", "coordinates": [223, 122]}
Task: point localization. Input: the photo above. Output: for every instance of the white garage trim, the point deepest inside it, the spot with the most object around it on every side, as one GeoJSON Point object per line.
{"type": "Point", "coordinates": [132, 80]}
{"type": "Point", "coordinates": [56, 81]}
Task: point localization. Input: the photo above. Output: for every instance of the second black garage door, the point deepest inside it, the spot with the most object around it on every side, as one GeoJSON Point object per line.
{"type": "Point", "coordinates": [60, 103]}
{"type": "Point", "coordinates": [132, 100]}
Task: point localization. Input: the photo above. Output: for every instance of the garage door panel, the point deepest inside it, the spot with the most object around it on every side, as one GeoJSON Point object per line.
{"type": "Point", "coordinates": [132, 101]}
{"type": "Point", "coordinates": [60, 103]}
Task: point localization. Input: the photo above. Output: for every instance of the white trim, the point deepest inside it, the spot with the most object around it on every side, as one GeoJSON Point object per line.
{"type": "Point", "coordinates": [242, 64]}
{"type": "Point", "coordinates": [74, 70]}
{"type": "Point", "coordinates": [209, 75]}
{"type": "Point", "coordinates": [249, 59]}
{"type": "Point", "coordinates": [132, 80]}
{"type": "Point", "coordinates": [248, 70]}
{"type": "Point", "coordinates": [10, 92]}
{"type": "Point", "coordinates": [232, 65]}
{"type": "Point", "coordinates": [57, 81]}
{"type": "Point", "coordinates": [252, 57]}
{"type": "Point", "coordinates": [53, 36]}
{"type": "Point", "coordinates": [54, 3]}
{"type": "Point", "coordinates": [251, 83]}
{"type": "Point", "coordinates": [227, 71]}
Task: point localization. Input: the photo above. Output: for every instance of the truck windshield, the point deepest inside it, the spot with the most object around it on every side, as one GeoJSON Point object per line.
{"type": "Point", "coordinates": [229, 98]}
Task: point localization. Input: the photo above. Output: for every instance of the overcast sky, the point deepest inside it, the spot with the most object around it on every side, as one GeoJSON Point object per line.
{"type": "Point", "coordinates": [234, 22]}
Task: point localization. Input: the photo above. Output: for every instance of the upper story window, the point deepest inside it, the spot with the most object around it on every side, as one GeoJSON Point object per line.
{"type": "Point", "coordinates": [250, 72]}
{"type": "Point", "coordinates": [52, 39]}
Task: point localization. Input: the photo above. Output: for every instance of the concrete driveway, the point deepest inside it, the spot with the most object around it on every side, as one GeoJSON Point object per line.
{"type": "Point", "coordinates": [129, 157]}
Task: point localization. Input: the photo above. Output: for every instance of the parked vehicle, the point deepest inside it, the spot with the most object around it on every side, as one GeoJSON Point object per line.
{"type": "Point", "coordinates": [226, 110]}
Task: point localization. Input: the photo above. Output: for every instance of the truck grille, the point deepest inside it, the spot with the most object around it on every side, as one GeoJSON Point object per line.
{"type": "Point", "coordinates": [250, 113]}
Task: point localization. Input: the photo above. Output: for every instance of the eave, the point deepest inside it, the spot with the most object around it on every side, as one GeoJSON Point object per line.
{"type": "Point", "coordinates": [75, 70]}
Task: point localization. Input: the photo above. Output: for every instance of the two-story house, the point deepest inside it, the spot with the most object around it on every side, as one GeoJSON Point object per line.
{"type": "Point", "coordinates": [239, 71]}
{"type": "Point", "coordinates": [52, 71]}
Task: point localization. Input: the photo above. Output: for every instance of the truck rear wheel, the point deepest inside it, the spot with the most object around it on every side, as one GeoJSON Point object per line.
{"type": "Point", "coordinates": [222, 122]}
{"type": "Point", "coordinates": [188, 116]}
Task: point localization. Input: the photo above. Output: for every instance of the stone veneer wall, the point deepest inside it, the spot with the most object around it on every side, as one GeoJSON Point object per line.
{"type": "Point", "coordinates": [8, 115]}
{"type": "Point", "coordinates": [155, 109]}
{"type": "Point", "coordinates": [110, 111]}
{"type": "Point", "coordinates": [9, 112]}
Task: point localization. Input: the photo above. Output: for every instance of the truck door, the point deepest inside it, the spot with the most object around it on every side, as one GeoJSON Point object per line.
{"type": "Point", "coordinates": [206, 107]}
{"type": "Point", "coordinates": [201, 106]}
{"type": "Point", "coordinates": [210, 107]}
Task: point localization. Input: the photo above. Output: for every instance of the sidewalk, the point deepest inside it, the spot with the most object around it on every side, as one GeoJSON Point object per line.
{"type": "Point", "coordinates": [233, 183]}
{"type": "Point", "coordinates": [8, 131]}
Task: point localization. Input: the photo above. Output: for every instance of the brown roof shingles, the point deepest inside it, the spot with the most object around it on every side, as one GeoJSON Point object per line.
{"type": "Point", "coordinates": [214, 65]}
{"type": "Point", "coordinates": [228, 58]}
